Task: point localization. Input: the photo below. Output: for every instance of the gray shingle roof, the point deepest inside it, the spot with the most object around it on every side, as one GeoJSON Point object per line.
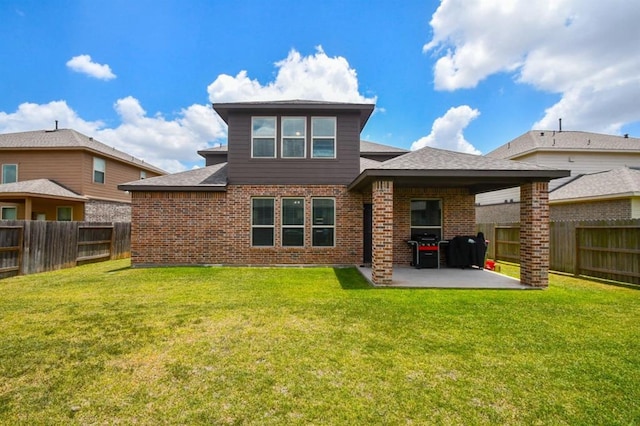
{"type": "Point", "coordinates": [564, 141]}
{"type": "Point", "coordinates": [67, 139]}
{"type": "Point", "coordinates": [614, 183]}
{"type": "Point", "coordinates": [39, 187]}
{"type": "Point", "coordinates": [373, 147]}
{"type": "Point", "coordinates": [429, 158]}
{"type": "Point", "coordinates": [366, 163]}
{"type": "Point", "coordinates": [210, 178]}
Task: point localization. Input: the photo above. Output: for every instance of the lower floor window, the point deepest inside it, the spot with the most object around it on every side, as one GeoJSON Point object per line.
{"type": "Point", "coordinates": [323, 222]}
{"type": "Point", "coordinates": [64, 214]}
{"type": "Point", "coordinates": [293, 222]}
{"type": "Point", "coordinates": [262, 222]}
{"type": "Point", "coordinates": [9, 213]}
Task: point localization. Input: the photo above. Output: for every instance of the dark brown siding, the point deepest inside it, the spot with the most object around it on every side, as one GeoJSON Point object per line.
{"type": "Point", "coordinates": [308, 171]}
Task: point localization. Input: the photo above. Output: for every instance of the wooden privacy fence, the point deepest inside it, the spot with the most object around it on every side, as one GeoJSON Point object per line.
{"type": "Point", "coordinates": [602, 249]}
{"type": "Point", "coordinates": [28, 247]}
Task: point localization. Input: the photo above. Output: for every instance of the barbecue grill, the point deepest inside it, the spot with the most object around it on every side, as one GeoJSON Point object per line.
{"type": "Point", "coordinates": [425, 250]}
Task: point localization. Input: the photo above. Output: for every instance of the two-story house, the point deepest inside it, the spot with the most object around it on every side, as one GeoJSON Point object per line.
{"type": "Point", "coordinates": [296, 185]}
{"type": "Point", "coordinates": [603, 183]}
{"type": "Point", "coordinates": [62, 174]}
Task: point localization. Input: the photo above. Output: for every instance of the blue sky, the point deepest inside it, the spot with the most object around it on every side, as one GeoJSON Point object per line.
{"type": "Point", "coordinates": [458, 74]}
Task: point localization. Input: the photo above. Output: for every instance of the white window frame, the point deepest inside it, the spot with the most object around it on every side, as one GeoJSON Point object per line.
{"type": "Point", "coordinates": [315, 226]}
{"type": "Point", "coordinates": [283, 226]}
{"type": "Point", "coordinates": [314, 137]}
{"type": "Point", "coordinates": [275, 136]}
{"type": "Point", "coordinates": [5, 208]}
{"type": "Point", "coordinates": [58, 208]}
{"type": "Point", "coordinates": [426, 227]}
{"type": "Point", "coordinates": [302, 137]}
{"type": "Point", "coordinates": [96, 163]}
{"type": "Point", "coordinates": [273, 226]}
{"type": "Point", "coordinates": [143, 174]}
{"type": "Point", "coordinates": [4, 166]}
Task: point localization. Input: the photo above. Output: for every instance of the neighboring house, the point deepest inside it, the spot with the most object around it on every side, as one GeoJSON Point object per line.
{"type": "Point", "coordinates": [64, 175]}
{"type": "Point", "coordinates": [296, 185]}
{"type": "Point", "coordinates": [614, 194]}
{"type": "Point", "coordinates": [580, 152]}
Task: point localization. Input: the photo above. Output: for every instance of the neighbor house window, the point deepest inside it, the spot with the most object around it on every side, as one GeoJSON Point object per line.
{"type": "Point", "coordinates": [323, 140]}
{"type": "Point", "coordinates": [323, 222]}
{"type": "Point", "coordinates": [9, 213]}
{"type": "Point", "coordinates": [64, 214]}
{"type": "Point", "coordinates": [293, 137]}
{"type": "Point", "coordinates": [99, 168]}
{"type": "Point", "coordinates": [143, 174]}
{"type": "Point", "coordinates": [263, 137]}
{"type": "Point", "coordinates": [9, 173]}
{"type": "Point", "coordinates": [262, 222]}
{"type": "Point", "coordinates": [293, 222]}
{"type": "Point", "coordinates": [426, 217]}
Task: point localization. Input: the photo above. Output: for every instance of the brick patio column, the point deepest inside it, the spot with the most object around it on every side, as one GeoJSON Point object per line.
{"type": "Point", "coordinates": [382, 261]}
{"type": "Point", "coordinates": [534, 234]}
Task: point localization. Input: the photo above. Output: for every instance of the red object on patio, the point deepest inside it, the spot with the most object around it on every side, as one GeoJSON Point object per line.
{"type": "Point", "coordinates": [490, 265]}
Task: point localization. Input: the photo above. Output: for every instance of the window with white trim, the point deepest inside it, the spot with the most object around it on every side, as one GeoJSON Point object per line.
{"type": "Point", "coordinates": [426, 217]}
{"type": "Point", "coordinates": [99, 169]}
{"type": "Point", "coordinates": [294, 137]}
{"type": "Point", "coordinates": [143, 174]}
{"type": "Point", "coordinates": [64, 214]}
{"type": "Point", "coordinates": [323, 137]}
{"type": "Point", "coordinates": [262, 222]}
{"type": "Point", "coordinates": [9, 213]}
{"type": "Point", "coordinates": [292, 222]}
{"type": "Point", "coordinates": [9, 173]}
{"type": "Point", "coordinates": [323, 220]}
{"type": "Point", "coordinates": [263, 137]}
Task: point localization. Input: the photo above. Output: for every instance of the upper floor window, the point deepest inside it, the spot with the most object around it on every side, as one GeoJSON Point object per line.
{"type": "Point", "coordinates": [293, 137]}
{"type": "Point", "coordinates": [9, 173]}
{"type": "Point", "coordinates": [143, 174]}
{"type": "Point", "coordinates": [99, 168]}
{"type": "Point", "coordinates": [323, 140]}
{"type": "Point", "coordinates": [263, 137]}
{"type": "Point", "coordinates": [426, 217]}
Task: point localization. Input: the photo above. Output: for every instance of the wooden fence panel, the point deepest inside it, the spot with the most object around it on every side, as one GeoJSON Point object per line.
{"type": "Point", "coordinates": [602, 249]}
{"type": "Point", "coordinates": [47, 246]}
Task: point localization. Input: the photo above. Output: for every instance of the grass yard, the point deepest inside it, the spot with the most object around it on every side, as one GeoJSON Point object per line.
{"type": "Point", "coordinates": [106, 344]}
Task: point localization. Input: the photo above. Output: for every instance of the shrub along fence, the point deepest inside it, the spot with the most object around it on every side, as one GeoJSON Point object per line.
{"type": "Point", "coordinates": [28, 247]}
{"type": "Point", "coordinates": [602, 249]}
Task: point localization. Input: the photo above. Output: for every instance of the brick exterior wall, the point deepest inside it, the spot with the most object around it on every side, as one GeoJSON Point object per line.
{"type": "Point", "coordinates": [458, 216]}
{"type": "Point", "coordinates": [594, 210]}
{"type": "Point", "coordinates": [383, 232]}
{"type": "Point", "coordinates": [534, 234]}
{"type": "Point", "coordinates": [191, 228]}
{"type": "Point", "coordinates": [107, 211]}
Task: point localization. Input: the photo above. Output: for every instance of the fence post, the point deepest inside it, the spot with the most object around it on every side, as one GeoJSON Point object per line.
{"type": "Point", "coordinates": [576, 263]}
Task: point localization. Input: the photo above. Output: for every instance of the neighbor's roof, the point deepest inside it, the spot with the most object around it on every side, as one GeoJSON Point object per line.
{"type": "Point", "coordinates": [616, 183]}
{"type": "Point", "coordinates": [550, 140]}
{"type": "Point", "coordinates": [294, 106]}
{"type": "Point", "coordinates": [39, 188]}
{"type": "Point", "coordinates": [67, 139]}
{"type": "Point", "coordinates": [210, 178]}
{"type": "Point", "coordinates": [449, 168]}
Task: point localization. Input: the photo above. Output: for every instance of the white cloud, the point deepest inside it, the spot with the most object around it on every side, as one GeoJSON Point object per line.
{"type": "Point", "coordinates": [447, 131]}
{"type": "Point", "coordinates": [314, 77]}
{"type": "Point", "coordinates": [580, 49]}
{"type": "Point", "coordinates": [168, 144]}
{"type": "Point", "coordinates": [83, 64]}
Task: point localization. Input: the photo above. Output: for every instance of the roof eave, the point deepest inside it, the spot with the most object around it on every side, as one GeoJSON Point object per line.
{"type": "Point", "coordinates": [173, 188]}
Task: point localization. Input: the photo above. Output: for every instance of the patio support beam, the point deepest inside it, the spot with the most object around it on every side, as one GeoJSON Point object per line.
{"type": "Point", "coordinates": [534, 234]}
{"type": "Point", "coordinates": [382, 256]}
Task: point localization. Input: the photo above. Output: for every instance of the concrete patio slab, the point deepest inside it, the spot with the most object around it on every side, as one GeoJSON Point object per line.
{"type": "Point", "coordinates": [468, 278]}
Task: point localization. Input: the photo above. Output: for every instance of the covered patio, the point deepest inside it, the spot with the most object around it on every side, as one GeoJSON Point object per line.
{"type": "Point", "coordinates": [453, 278]}
{"type": "Point", "coordinates": [454, 178]}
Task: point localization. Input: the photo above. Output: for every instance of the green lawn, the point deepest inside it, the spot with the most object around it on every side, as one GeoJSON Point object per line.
{"type": "Point", "coordinates": [105, 344]}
